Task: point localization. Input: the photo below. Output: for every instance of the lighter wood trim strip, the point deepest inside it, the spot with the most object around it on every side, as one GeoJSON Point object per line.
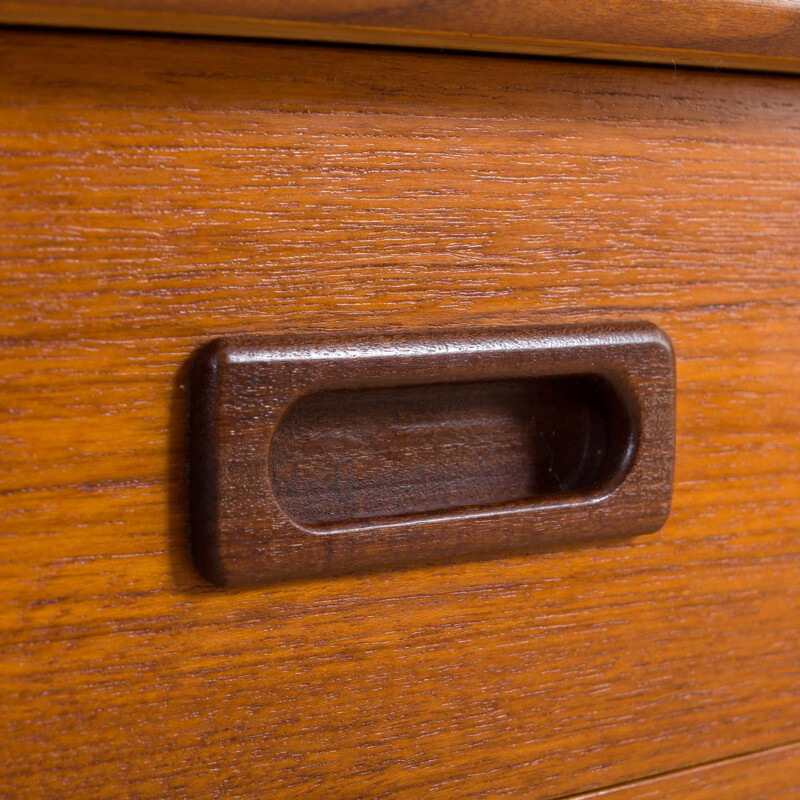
{"type": "Point", "coordinates": [758, 51]}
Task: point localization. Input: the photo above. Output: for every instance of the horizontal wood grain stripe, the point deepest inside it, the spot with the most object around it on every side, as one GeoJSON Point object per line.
{"type": "Point", "coordinates": [158, 192]}
{"type": "Point", "coordinates": [731, 34]}
{"type": "Point", "coordinates": [756, 776]}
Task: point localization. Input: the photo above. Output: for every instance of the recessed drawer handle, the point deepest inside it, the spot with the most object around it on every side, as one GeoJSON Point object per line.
{"type": "Point", "coordinates": [316, 456]}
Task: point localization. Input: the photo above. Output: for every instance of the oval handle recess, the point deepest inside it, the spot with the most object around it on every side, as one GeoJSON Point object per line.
{"type": "Point", "coordinates": [318, 456]}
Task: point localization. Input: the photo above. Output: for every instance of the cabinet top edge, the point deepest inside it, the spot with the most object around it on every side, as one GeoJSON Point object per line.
{"type": "Point", "coordinates": [721, 34]}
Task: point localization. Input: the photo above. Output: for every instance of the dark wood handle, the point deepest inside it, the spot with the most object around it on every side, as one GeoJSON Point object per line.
{"type": "Point", "coordinates": [319, 456]}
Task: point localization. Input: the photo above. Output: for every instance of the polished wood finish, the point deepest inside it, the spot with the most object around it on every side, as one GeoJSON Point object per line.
{"type": "Point", "coordinates": [344, 456]}
{"type": "Point", "coordinates": [327, 455]}
{"type": "Point", "coordinates": [771, 775]}
{"type": "Point", "coordinates": [157, 194]}
{"type": "Point", "coordinates": [737, 34]}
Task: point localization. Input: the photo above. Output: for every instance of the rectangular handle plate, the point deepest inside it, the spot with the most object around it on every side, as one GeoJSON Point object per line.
{"type": "Point", "coordinates": [314, 456]}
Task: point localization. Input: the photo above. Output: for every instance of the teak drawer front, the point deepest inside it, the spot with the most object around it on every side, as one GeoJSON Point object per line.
{"type": "Point", "coordinates": [157, 193]}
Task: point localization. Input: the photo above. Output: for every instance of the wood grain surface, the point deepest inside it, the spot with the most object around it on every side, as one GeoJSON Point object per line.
{"type": "Point", "coordinates": [760, 776]}
{"type": "Point", "coordinates": [428, 469]}
{"type": "Point", "coordinates": [157, 193]}
{"type": "Point", "coordinates": [738, 34]}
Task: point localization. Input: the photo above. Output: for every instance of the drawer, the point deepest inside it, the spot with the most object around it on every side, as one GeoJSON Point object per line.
{"type": "Point", "coordinates": [160, 192]}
